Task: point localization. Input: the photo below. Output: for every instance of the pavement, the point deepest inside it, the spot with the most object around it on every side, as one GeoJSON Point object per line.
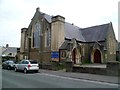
{"type": "Point", "coordinates": [92, 77]}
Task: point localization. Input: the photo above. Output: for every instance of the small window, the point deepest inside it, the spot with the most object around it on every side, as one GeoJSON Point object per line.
{"type": "Point", "coordinates": [47, 38]}
{"type": "Point", "coordinates": [63, 54]}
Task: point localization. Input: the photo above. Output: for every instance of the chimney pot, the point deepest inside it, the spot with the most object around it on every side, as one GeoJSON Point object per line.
{"type": "Point", "coordinates": [37, 9]}
{"type": "Point", "coordinates": [7, 45]}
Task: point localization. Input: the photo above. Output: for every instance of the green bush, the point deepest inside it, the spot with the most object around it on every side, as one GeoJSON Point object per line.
{"type": "Point", "coordinates": [86, 62]}
{"type": "Point", "coordinates": [117, 58]}
{"type": "Point", "coordinates": [61, 66]}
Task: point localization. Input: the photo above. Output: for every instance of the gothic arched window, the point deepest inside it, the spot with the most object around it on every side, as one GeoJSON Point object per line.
{"type": "Point", "coordinates": [36, 35]}
{"type": "Point", "coordinates": [47, 38]}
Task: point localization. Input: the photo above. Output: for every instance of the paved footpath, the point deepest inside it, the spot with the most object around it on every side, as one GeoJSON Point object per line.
{"type": "Point", "coordinates": [92, 77]}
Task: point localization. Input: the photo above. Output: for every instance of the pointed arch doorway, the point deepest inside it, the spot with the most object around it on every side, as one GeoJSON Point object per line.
{"type": "Point", "coordinates": [74, 55]}
{"type": "Point", "coordinates": [97, 56]}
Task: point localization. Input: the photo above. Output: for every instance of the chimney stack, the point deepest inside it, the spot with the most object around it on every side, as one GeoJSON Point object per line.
{"type": "Point", "coordinates": [7, 45]}
{"type": "Point", "coordinates": [57, 32]}
{"type": "Point", "coordinates": [37, 9]}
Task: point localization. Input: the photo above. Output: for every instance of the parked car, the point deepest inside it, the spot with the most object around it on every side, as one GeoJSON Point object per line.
{"type": "Point", "coordinates": [26, 66]}
{"type": "Point", "coordinates": [8, 64]}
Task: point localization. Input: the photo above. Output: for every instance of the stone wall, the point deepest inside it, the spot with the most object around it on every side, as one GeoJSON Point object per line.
{"type": "Point", "coordinates": [112, 69]}
{"type": "Point", "coordinates": [111, 44]}
{"type": "Point", "coordinates": [57, 32]}
{"type": "Point", "coordinates": [91, 70]}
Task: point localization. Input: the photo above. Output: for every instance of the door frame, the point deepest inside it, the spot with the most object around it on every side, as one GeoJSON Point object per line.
{"type": "Point", "coordinates": [74, 52]}
{"type": "Point", "coordinates": [92, 55]}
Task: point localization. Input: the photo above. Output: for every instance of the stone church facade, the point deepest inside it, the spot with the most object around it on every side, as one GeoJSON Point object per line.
{"type": "Point", "coordinates": [50, 38]}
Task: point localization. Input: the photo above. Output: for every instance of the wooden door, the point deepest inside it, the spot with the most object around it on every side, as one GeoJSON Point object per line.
{"type": "Point", "coordinates": [74, 56]}
{"type": "Point", "coordinates": [97, 56]}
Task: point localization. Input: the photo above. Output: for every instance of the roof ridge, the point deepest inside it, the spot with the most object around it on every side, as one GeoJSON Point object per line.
{"type": "Point", "coordinates": [95, 26]}
{"type": "Point", "coordinates": [81, 34]}
{"type": "Point", "coordinates": [65, 21]}
{"type": "Point", "coordinates": [13, 47]}
{"type": "Point", "coordinates": [73, 25]}
{"type": "Point", "coordinates": [4, 51]}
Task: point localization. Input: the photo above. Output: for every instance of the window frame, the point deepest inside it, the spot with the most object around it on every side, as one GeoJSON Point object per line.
{"type": "Point", "coordinates": [36, 32]}
{"type": "Point", "coordinates": [63, 54]}
{"type": "Point", "coordinates": [47, 38]}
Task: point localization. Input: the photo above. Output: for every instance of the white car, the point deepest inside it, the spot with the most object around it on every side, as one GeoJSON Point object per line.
{"type": "Point", "coordinates": [27, 65]}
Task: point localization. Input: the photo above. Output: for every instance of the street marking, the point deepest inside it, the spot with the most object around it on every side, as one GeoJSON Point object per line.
{"type": "Point", "coordinates": [111, 84]}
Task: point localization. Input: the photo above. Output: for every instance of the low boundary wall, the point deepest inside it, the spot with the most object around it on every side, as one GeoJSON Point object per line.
{"type": "Point", "coordinates": [112, 69]}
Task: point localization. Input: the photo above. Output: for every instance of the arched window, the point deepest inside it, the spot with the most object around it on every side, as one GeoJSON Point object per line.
{"type": "Point", "coordinates": [63, 54]}
{"type": "Point", "coordinates": [47, 38]}
{"type": "Point", "coordinates": [36, 35]}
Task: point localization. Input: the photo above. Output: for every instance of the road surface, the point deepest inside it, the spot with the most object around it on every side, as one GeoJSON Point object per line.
{"type": "Point", "coordinates": [11, 79]}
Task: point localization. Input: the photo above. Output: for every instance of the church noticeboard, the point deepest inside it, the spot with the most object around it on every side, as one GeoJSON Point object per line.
{"type": "Point", "coordinates": [55, 56]}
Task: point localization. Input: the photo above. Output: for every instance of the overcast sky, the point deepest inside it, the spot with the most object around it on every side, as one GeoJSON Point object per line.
{"type": "Point", "coordinates": [16, 14]}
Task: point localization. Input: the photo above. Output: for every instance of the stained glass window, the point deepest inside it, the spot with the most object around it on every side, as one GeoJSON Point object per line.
{"type": "Point", "coordinates": [47, 38]}
{"type": "Point", "coordinates": [36, 35]}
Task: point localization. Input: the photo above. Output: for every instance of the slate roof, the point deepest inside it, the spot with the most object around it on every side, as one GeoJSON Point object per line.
{"type": "Point", "coordinates": [71, 31]}
{"type": "Point", "coordinates": [95, 33]}
{"type": "Point", "coordinates": [12, 49]}
{"type": "Point", "coordinates": [48, 17]}
{"type": "Point", "coordinates": [8, 50]}
{"type": "Point", "coordinates": [65, 45]}
{"type": "Point", "coordinates": [90, 34]}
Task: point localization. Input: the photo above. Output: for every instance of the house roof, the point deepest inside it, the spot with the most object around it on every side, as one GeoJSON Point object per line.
{"type": "Point", "coordinates": [12, 49]}
{"type": "Point", "coordinates": [9, 50]}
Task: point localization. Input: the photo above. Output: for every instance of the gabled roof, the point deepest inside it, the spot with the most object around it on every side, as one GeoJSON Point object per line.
{"type": "Point", "coordinates": [9, 50]}
{"type": "Point", "coordinates": [90, 34]}
{"type": "Point", "coordinates": [48, 17]}
{"type": "Point", "coordinates": [95, 33]}
{"type": "Point", "coordinates": [65, 45]}
{"type": "Point", "coordinates": [71, 31]}
{"type": "Point", "coordinates": [12, 49]}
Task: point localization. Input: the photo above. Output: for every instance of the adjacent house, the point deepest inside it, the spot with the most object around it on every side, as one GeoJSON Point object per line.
{"type": "Point", "coordinates": [119, 46]}
{"type": "Point", "coordinates": [9, 52]}
{"type": "Point", "coordinates": [51, 38]}
{"type": "Point", "coordinates": [0, 54]}
{"type": "Point", "coordinates": [118, 52]}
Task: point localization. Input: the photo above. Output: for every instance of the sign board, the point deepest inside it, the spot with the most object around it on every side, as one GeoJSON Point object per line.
{"type": "Point", "coordinates": [55, 56]}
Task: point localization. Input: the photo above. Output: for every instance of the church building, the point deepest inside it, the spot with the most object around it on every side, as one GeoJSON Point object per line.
{"type": "Point", "coordinates": [51, 38]}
